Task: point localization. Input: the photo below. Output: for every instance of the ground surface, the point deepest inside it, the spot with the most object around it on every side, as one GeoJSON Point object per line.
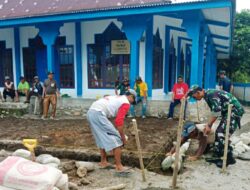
{"type": "Point", "coordinates": [154, 134]}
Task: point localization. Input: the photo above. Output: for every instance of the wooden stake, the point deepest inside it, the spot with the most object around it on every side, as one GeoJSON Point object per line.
{"type": "Point", "coordinates": [198, 114]}
{"type": "Point", "coordinates": [178, 144]}
{"type": "Point", "coordinates": [139, 149]}
{"type": "Point", "coordinates": [227, 137]}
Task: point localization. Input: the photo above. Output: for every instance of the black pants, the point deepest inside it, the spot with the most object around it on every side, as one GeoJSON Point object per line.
{"type": "Point", "coordinates": [172, 106]}
{"type": "Point", "coordinates": [10, 93]}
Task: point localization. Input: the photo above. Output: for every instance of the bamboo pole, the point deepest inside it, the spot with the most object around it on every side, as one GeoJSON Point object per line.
{"type": "Point", "coordinates": [178, 144]}
{"type": "Point", "coordinates": [227, 137]}
{"type": "Point", "coordinates": [198, 114]}
{"type": "Point", "coordinates": [139, 149]}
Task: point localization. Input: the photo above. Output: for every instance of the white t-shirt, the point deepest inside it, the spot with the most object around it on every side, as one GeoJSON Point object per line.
{"type": "Point", "coordinates": [211, 135]}
{"type": "Point", "coordinates": [109, 105]}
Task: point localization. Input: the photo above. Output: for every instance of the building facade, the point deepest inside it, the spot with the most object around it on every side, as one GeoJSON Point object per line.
{"type": "Point", "coordinates": [91, 45]}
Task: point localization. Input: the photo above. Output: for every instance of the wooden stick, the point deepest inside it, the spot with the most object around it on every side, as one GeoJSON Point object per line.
{"type": "Point", "coordinates": [198, 114]}
{"type": "Point", "coordinates": [178, 144]}
{"type": "Point", "coordinates": [139, 149]}
{"type": "Point", "coordinates": [227, 137]}
{"type": "Point", "coordinates": [115, 187]}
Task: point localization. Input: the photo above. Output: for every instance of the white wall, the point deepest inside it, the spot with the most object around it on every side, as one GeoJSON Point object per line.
{"type": "Point", "coordinates": [7, 35]}
{"type": "Point", "coordinates": [89, 29]}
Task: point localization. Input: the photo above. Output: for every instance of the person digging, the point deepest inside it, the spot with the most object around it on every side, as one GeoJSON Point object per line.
{"type": "Point", "coordinates": [195, 131]}
{"type": "Point", "coordinates": [107, 136]}
{"type": "Point", "coordinates": [218, 102]}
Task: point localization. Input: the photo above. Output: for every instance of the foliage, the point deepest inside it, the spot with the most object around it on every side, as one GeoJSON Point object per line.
{"type": "Point", "coordinates": [238, 66]}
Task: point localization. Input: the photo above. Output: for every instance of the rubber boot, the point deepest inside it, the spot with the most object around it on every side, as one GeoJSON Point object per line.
{"type": "Point", "coordinates": [230, 160]}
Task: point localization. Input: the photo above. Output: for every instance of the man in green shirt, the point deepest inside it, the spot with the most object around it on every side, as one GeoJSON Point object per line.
{"type": "Point", "coordinates": [218, 101]}
{"type": "Point", "coordinates": [23, 88]}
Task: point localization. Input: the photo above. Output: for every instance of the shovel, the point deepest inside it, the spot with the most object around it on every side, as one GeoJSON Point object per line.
{"type": "Point", "coordinates": [30, 144]}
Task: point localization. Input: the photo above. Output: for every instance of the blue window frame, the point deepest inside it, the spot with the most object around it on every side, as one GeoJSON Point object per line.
{"type": "Point", "coordinates": [65, 56]}
{"type": "Point", "coordinates": [6, 63]}
{"type": "Point", "coordinates": [103, 67]}
{"type": "Point", "coordinates": [157, 61]}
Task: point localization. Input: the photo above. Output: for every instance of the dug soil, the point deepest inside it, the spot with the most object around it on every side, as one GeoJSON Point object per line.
{"type": "Point", "coordinates": [156, 136]}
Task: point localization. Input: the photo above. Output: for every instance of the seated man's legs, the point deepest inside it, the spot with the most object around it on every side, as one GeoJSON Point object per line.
{"type": "Point", "coordinates": [10, 93]}
{"type": "Point", "coordinates": [31, 93]}
{"type": "Point", "coordinates": [171, 108]}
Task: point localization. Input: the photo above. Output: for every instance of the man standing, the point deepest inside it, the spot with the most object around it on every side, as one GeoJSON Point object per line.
{"type": "Point", "coordinates": [218, 101]}
{"type": "Point", "coordinates": [141, 89]}
{"type": "Point", "coordinates": [109, 137]}
{"type": "Point", "coordinates": [23, 88]}
{"type": "Point", "coordinates": [179, 91]}
{"type": "Point", "coordinates": [225, 83]}
{"type": "Point", "coordinates": [37, 90]}
{"type": "Point", "coordinates": [123, 87]}
{"type": "Point", "coordinates": [9, 89]}
{"type": "Point", "coordinates": [50, 93]}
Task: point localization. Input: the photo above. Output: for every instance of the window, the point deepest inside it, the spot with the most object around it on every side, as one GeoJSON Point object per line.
{"type": "Point", "coordinates": [66, 66]}
{"type": "Point", "coordinates": [6, 65]}
{"type": "Point", "coordinates": [29, 63]}
{"type": "Point", "coordinates": [157, 62]}
{"type": "Point", "coordinates": [103, 67]}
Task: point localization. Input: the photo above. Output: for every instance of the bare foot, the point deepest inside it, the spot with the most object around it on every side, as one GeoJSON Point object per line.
{"type": "Point", "coordinates": [104, 164]}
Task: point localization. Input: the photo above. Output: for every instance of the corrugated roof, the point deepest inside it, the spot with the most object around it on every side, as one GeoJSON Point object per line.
{"type": "Point", "coordinates": [29, 8]}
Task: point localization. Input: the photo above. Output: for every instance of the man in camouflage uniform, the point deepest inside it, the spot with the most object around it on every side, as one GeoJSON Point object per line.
{"type": "Point", "coordinates": [218, 101]}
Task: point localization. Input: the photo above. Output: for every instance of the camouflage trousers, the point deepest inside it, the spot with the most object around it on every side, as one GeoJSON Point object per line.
{"type": "Point", "coordinates": [220, 134]}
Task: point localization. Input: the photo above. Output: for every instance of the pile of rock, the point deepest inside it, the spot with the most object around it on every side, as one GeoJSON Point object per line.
{"type": "Point", "coordinates": [241, 144]}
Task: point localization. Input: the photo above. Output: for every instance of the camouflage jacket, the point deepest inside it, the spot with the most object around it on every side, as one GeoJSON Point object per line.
{"type": "Point", "coordinates": [218, 101]}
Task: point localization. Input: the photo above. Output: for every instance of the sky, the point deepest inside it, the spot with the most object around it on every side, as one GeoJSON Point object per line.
{"type": "Point", "coordinates": [242, 4]}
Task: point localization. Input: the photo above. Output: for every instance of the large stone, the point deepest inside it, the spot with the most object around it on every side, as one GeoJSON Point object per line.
{"type": "Point", "coordinates": [68, 166]}
{"type": "Point", "coordinates": [82, 172]}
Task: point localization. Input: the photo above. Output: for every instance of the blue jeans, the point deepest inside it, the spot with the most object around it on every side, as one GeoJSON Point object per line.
{"type": "Point", "coordinates": [172, 106]}
{"type": "Point", "coordinates": [144, 106]}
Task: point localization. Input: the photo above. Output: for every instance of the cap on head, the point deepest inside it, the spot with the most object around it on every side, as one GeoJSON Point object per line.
{"type": "Point", "coordinates": [222, 72]}
{"type": "Point", "coordinates": [125, 80]}
{"type": "Point", "coordinates": [188, 128]}
{"type": "Point", "coordinates": [36, 77]}
{"type": "Point", "coordinates": [7, 78]}
{"type": "Point", "coordinates": [194, 88]}
{"type": "Point", "coordinates": [132, 92]}
{"type": "Point", "coordinates": [180, 76]}
{"type": "Point", "coordinates": [138, 79]}
{"type": "Point", "coordinates": [21, 77]}
{"type": "Point", "coordinates": [50, 72]}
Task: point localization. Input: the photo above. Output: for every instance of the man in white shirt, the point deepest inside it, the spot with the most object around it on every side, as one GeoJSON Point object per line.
{"type": "Point", "coordinates": [107, 136]}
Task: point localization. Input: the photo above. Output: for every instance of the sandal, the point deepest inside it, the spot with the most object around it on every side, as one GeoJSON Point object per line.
{"type": "Point", "coordinates": [107, 167]}
{"type": "Point", "coordinates": [123, 173]}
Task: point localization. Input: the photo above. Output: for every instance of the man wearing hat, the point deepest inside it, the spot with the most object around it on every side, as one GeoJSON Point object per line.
{"type": "Point", "coordinates": [218, 101]}
{"type": "Point", "coordinates": [141, 89]}
{"type": "Point", "coordinates": [224, 82]}
{"type": "Point", "coordinates": [196, 131]}
{"type": "Point", "coordinates": [23, 88]}
{"type": "Point", "coordinates": [37, 90]}
{"type": "Point", "coordinates": [50, 92]}
{"type": "Point", "coordinates": [107, 136]}
{"type": "Point", "coordinates": [123, 87]}
{"type": "Point", "coordinates": [9, 89]}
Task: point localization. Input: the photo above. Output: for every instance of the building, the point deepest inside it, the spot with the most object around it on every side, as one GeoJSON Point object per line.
{"type": "Point", "coordinates": [90, 43]}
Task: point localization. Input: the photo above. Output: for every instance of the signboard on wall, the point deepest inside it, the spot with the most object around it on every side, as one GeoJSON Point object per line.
{"type": "Point", "coordinates": [120, 47]}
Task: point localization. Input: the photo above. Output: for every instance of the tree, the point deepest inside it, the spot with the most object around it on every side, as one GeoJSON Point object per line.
{"type": "Point", "coordinates": [238, 66]}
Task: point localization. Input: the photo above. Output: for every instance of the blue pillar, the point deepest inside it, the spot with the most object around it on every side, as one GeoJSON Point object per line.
{"type": "Point", "coordinates": [17, 54]}
{"type": "Point", "coordinates": [49, 32]}
{"type": "Point", "coordinates": [149, 57]}
{"type": "Point", "coordinates": [179, 56]}
{"type": "Point", "coordinates": [213, 68]}
{"type": "Point", "coordinates": [78, 58]}
{"type": "Point", "coordinates": [208, 66]}
{"type": "Point", "coordinates": [134, 29]}
{"type": "Point", "coordinates": [201, 57]}
{"type": "Point", "coordinates": [166, 70]}
{"type": "Point", "coordinates": [194, 28]}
